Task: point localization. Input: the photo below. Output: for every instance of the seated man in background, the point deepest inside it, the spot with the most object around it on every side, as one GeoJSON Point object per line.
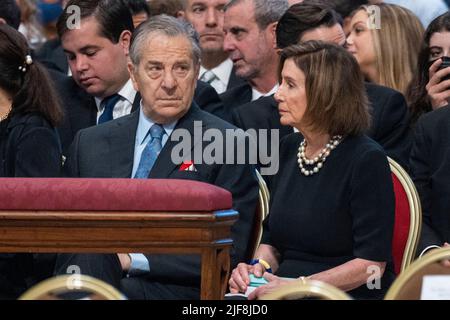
{"type": "Point", "coordinates": [165, 57]}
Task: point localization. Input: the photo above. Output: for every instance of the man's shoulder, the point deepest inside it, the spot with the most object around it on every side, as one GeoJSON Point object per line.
{"type": "Point", "coordinates": [436, 119]}
{"type": "Point", "coordinates": [209, 120]}
{"type": "Point", "coordinates": [377, 91]}
{"type": "Point", "coordinates": [261, 106]}
{"type": "Point", "coordinates": [108, 127]}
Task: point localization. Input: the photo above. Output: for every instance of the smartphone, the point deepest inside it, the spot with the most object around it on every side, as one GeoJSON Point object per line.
{"type": "Point", "coordinates": [445, 63]}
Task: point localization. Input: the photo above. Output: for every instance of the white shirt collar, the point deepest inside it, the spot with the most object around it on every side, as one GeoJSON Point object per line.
{"type": "Point", "coordinates": [256, 94]}
{"type": "Point", "coordinates": [127, 92]}
{"type": "Point", "coordinates": [222, 71]}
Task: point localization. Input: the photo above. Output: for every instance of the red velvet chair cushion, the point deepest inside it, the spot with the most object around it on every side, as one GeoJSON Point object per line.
{"type": "Point", "coordinates": [91, 194]}
{"type": "Point", "coordinates": [402, 222]}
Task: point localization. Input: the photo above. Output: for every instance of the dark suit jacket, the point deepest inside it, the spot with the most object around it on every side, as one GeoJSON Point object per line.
{"type": "Point", "coordinates": [389, 120]}
{"type": "Point", "coordinates": [430, 170]}
{"type": "Point", "coordinates": [234, 80]}
{"type": "Point", "coordinates": [80, 110]}
{"type": "Point", "coordinates": [236, 97]}
{"type": "Point", "coordinates": [52, 55]}
{"type": "Point", "coordinates": [29, 148]}
{"type": "Point", "coordinates": [115, 141]}
{"type": "Point", "coordinates": [206, 97]}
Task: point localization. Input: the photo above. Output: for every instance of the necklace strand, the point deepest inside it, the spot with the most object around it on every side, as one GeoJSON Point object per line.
{"type": "Point", "coordinates": [305, 163]}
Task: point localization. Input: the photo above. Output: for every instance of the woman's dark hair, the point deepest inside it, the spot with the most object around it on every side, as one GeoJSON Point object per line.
{"type": "Point", "coordinates": [417, 95]}
{"type": "Point", "coordinates": [113, 17]}
{"type": "Point", "coordinates": [28, 84]}
{"type": "Point", "coordinates": [137, 6]}
{"type": "Point", "coordinates": [303, 17]}
{"type": "Point", "coordinates": [10, 12]}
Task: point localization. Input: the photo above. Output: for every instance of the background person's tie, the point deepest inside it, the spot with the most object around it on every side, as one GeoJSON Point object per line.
{"type": "Point", "coordinates": [108, 107]}
{"type": "Point", "coordinates": [208, 77]}
{"type": "Point", "coordinates": [150, 152]}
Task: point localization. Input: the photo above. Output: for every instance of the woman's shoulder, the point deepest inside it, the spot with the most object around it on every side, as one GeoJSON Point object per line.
{"type": "Point", "coordinates": [363, 147]}
{"type": "Point", "coordinates": [28, 120]}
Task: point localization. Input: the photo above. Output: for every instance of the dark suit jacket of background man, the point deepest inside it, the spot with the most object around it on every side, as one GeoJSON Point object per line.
{"type": "Point", "coordinates": [390, 120]}
{"type": "Point", "coordinates": [115, 141]}
{"type": "Point", "coordinates": [430, 170]}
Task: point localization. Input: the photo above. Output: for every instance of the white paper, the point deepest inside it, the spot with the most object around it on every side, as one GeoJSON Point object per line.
{"type": "Point", "coordinates": [435, 288]}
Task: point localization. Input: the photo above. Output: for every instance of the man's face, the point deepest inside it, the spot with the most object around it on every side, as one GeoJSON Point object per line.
{"type": "Point", "coordinates": [207, 18]}
{"type": "Point", "coordinates": [166, 77]}
{"type": "Point", "coordinates": [250, 48]}
{"type": "Point", "coordinates": [98, 65]}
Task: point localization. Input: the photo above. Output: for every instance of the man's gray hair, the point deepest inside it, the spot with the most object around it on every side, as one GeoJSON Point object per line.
{"type": "Point", "coordinates": [266, 11]}
{"type": "Point", "coordinates": [163, 25]}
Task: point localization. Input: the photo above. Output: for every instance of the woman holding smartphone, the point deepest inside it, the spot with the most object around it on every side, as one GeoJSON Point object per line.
{"type": "Point", "coordinates": [430, 88]}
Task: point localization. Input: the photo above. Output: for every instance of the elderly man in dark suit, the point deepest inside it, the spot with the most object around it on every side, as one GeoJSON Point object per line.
{"type": "Point", "coordinates": [317, 21]}
{"type": "Point", "coordinates": [164, 68]}
{"type": "Point", "coordinates": [100, 88]}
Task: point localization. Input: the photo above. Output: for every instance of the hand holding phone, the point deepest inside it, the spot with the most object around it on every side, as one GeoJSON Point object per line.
{"type": "Point", "coordinates": [438, 87]}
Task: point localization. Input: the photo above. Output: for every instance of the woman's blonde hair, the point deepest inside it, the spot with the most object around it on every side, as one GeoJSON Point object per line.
{"type": "Point", "coordinates": [397, 41]}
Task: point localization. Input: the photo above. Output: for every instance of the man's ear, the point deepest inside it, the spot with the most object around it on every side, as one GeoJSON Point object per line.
{"type": "Point", "coordinates": [131, 71]}
{"type": "Point", "coordinates": [2, 21]}
{"type": "Point", "coordinates": [180, 14]}
{"type": "Point", "coordinates": [125, 40]}
{"type": "Point", "coordinates": [272, 32]}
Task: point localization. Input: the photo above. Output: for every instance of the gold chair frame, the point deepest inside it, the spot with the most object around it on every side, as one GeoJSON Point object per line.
{"type": "Point", "coordinates": [50, 288]}
{"type": "Point", "coordinates": [429, 264]}
{"type": "Point", "coordinates": [306, 288]}
{"type": "Point", "coordinates": [415, 210]}
{"type": "Point", "coordinates": [264, 199]}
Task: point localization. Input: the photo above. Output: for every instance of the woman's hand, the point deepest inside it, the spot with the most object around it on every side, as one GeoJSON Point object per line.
{"type": "Point", "coordinates": [446, 263]}
{"type": "Point", "coordinates": [240, 280]}
{"type": "Point", "coordinates": [274, 284]}
{"type": "Point", "coordinates": [438, 91]}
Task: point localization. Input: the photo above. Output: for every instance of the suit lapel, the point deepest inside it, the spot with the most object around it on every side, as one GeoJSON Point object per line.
{"type": "Point", "coordinates": [234, 81]}
{"type": "Point", "coordinates": [164, 165]}
{"type": "Point", "coordinates": [136, 102]}
{"type": "Point", "coordinates": [121, 145]}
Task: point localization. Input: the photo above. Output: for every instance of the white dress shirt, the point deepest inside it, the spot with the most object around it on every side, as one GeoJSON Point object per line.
{"type": "Point", "coordinates": [222, 72]}
{"type": "Point", "coordinates": [123, 106]}
{"type": "Point", "coordinates": [256, 94]}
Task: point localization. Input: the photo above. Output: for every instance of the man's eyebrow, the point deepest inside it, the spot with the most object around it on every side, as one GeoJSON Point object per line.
{"type": "Point", "coordinates": [84, 49]}
{"type": "Point", "coordinates": [154, 62]}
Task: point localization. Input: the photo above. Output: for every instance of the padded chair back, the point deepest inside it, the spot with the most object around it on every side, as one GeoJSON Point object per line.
{"type": "Point", "coordinates": [66, 287]}
{"type": "Point", "coordinates": [408, 285]}
{"type": "Point", "coordinates": [305, 288]}
{"type": "Point", "coordinates": [408, 218]}
{"type": "Point", "coordinates": [261, 213]}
